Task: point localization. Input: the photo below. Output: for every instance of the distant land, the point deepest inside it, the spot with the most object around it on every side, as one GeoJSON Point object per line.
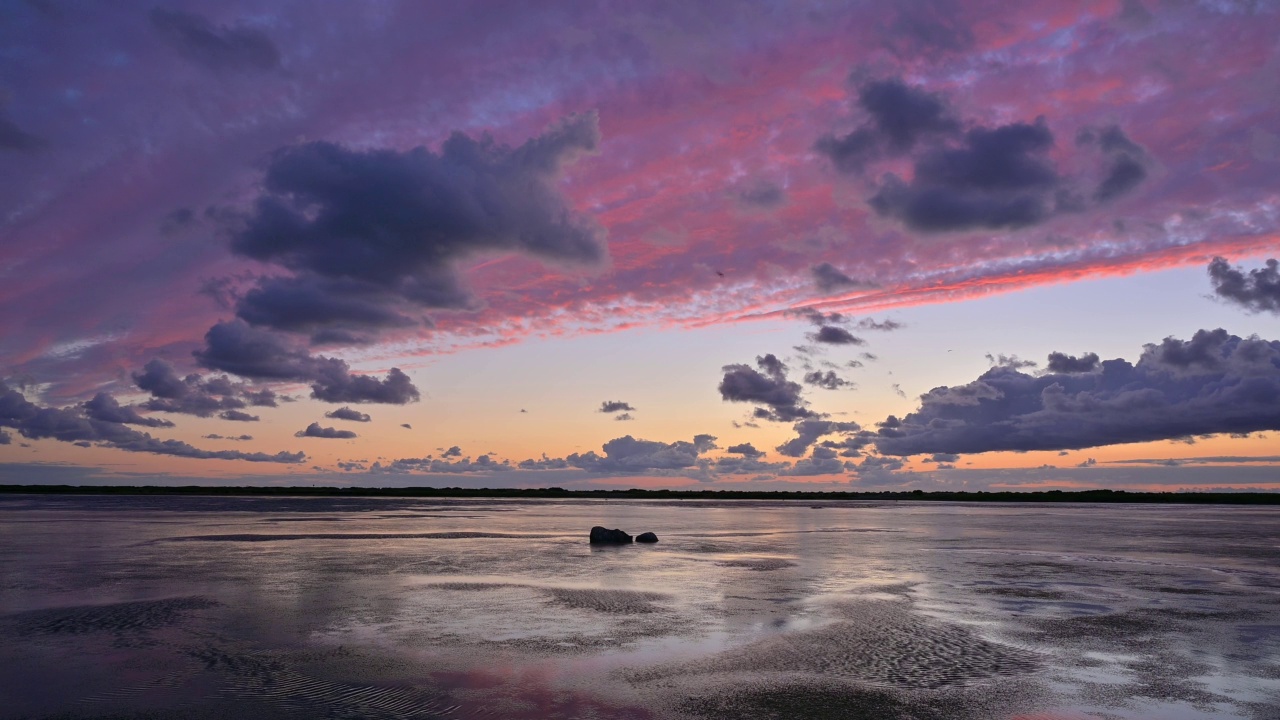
{"type": "Point", "coordinates": [1052, 496]}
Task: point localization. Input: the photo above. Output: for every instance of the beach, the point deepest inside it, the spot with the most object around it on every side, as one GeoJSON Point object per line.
{"type": "Point", "coordinates": [159, 607]}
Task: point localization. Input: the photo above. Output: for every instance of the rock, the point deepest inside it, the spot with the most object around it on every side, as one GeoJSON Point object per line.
{"type": "Point", "coordinates": [602, 535]}
{"type": "Point", "coordinates": [647, 538]}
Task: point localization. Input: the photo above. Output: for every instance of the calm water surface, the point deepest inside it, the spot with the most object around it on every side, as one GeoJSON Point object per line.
{"type": "Point", "coordinates": [181, 607]}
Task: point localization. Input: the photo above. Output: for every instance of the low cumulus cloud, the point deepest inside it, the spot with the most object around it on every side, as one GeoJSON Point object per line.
{"type": "Point", "coordinates": [1213, 383]}
{"type": "Point", "coordinates": [613, 406]}
{"type": "Point", "coordinates": [828, 380]}
{"type": "Point", "coordinates": [237, 348]}
{"type": "Point", "coordinates": [346, 413]}
{"type": "Point", "coordinates": [482, 464]}
{"type": "Point", "coordinates": [768, 387]}
{"type": "Point", "coordinates": [1068, 364]}
{"type": "Point", "coordinates": [314, 430]}
{"type": "Point", "coordinates": [237, 47]}
{"type": "Point", "coordinates": [75, 425]}
{"type": "Point", "coordinates": [744, 449]}
{"type": "Point", "coordinates": [851, 437]}
{"type": "Point", "coordinates": [189, 395]}
{"type": "Point", "coordinates": [107, 409]}
{"type": "Point", "coordinates": [1256, 290]}
{"type": "Point", "coordinates": [885, 326]}
{"type": "Point", "coordinates": [627, 454]}
{"type": "Point", "coordinates": [1010, 361]}
{"type": "Point", "coordinates": [828, 278]}
{"type": "Point", "coordinates": [832, 335]}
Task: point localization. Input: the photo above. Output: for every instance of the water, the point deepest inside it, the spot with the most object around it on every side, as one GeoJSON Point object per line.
{"type": "Point", "coordinates": [185, 607]}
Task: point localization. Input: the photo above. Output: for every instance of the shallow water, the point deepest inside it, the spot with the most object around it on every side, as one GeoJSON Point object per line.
{"type": "Point", "coordinates": [184, 607]}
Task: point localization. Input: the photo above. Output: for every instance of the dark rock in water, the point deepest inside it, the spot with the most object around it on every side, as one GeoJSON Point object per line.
{"type": "Point", "coordinates": [647, 538]}
{"type": "Point", "coordinates": [602, 535]}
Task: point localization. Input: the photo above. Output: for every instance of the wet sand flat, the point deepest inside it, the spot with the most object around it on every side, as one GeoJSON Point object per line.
{"type": "Point", "coordinates": [201, 607]}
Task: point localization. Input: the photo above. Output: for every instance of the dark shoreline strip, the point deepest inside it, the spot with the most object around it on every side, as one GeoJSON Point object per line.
{"type": "Point", "coordinates": [1051, 496]}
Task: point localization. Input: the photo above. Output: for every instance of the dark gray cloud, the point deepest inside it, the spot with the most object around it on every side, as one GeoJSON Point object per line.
{"type": "Point", "coordinates": [743, 383]}
{"type": "Point", "coordinates": [484, 463]}
{"type": "Point", "coordinates": [1126, 165]}
{"type": "Point", "coordinates": [627, 454]}
{"type": "Point", "coordinates": [454, 451]}
{"type": "Point", "coordinates": [611, 406]}
{"type": "Point", "coordinates": [832, 335]}
{"type": "Point", "coordinates": [1012, 361]}
{"type": "Point", "coordinates": [373, 237]}
{"type": "Point", "coordinates": [189, 395]}
{"type": "Point", "coordinates": [829, 279]}
{"type": "Point", "coordinates": [710, 469]}
{"type": "Point", "coordinates": [819, 319]}
{"type": "Point", "coordinates": [1256, 290]}
{"type": "Point", "coordinates": [335, 384]}
{"type": "Point", "coordinates": [346, 413]}
{"type": "Point", "coordinates": [981, 177]}
{"type": "Point", "coordinates": [161, 380]}
{"type": "Point", "coordinates": [238, 416]}
{"type": "Point", "coordinates": [1213, 383]}
{"type": "Point", "coordinates": [1063, 363]}
{"type": "Point", "coordinates": [993, 178]}
{"type": "Point", "coordinates": [219, 47]}
{"type": "Point", "coordinates": [745, 449]}
{"type": "Point", "coordinates": [1124, 173]}
{"type": "Point", "coordinates": [759, 194]}
{"type": "Point", "coordinates": [216, 436]}
{"type": "Point", "coordinates": [809, 432]}
{"type": "Point", "coordinates": [821, 461]}
{"type": "Point", "coordinates": [314, 430]}
{"type": "Point", "coordinates": [331, 310]}
{"type": "Point", "coordinates": [240, 349]}
{"type": "Point", "coordinates": [73, 425]}
{"type": "Point", "coordinates": [878, 470]}
{"type": "Point", "coordinates": [265, 397]}
{"type": "Point", "coordinates": [828, 380]}
{"type": "Point", "coordinates": [886, 326]}
{"type": "Point", "coordinates": [107, 409]}
{"type": "Point", "coordinates": [624, 417]}
{"type": "Point", "coordinates": [406, 426]}
{"type": "Point", "coordinates": [544, 463]}
{"type": "Point", "coordinates": [898, 117]}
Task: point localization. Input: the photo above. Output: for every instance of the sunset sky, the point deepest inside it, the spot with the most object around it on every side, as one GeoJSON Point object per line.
{"type": "Point", "coordinates": [847, 245]}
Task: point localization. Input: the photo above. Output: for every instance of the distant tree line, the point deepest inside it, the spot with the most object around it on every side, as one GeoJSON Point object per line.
{"type": "Point", "coordinates": [1055, 496]}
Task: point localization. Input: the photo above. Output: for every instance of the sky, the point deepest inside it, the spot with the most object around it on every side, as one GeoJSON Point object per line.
{"type": "Point", "coordinates": [937, 245]}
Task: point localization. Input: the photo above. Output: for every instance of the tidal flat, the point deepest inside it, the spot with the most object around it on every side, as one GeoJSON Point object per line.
{"type": "Point", "coordinates": [233, 607]}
